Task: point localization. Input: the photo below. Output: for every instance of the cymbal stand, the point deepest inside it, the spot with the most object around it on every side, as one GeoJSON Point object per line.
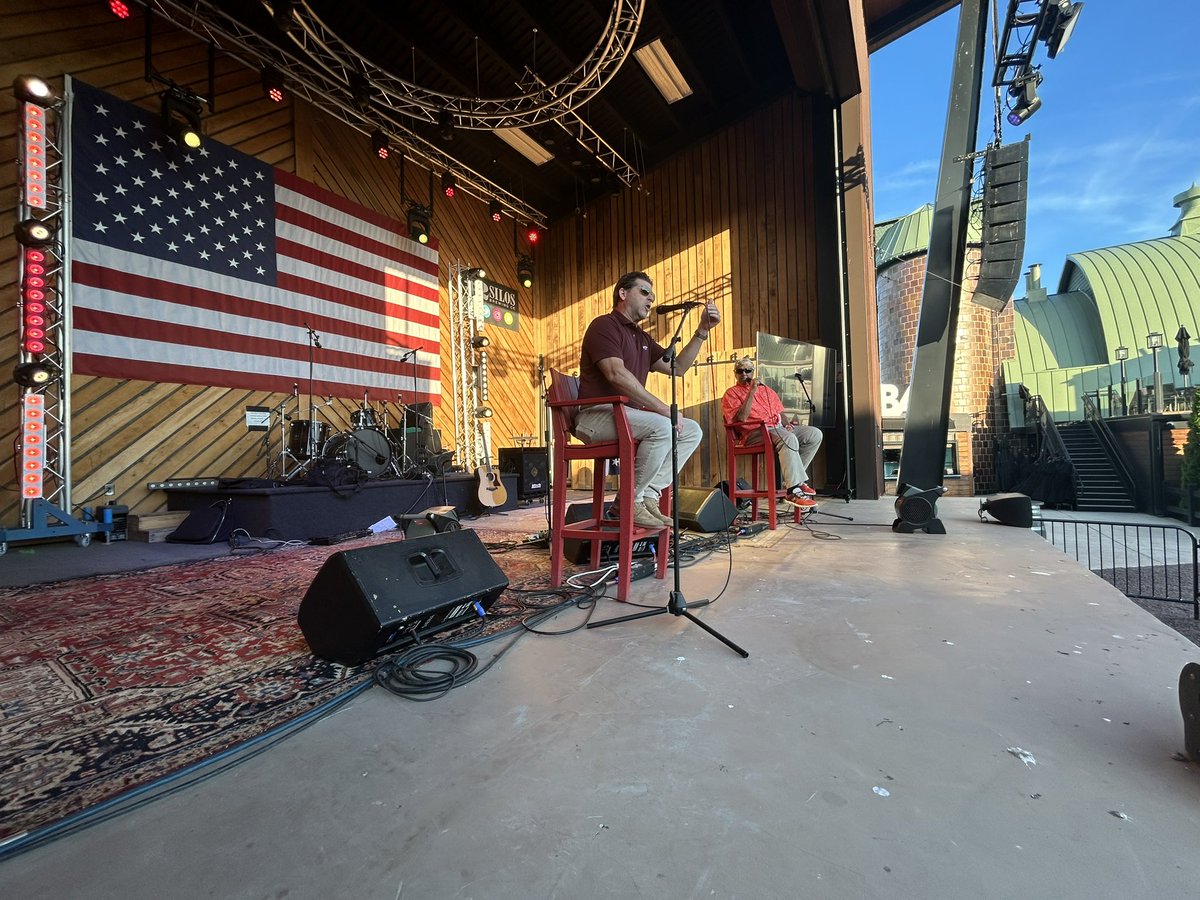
{"type": "Point", "coordinates": [285, 465]}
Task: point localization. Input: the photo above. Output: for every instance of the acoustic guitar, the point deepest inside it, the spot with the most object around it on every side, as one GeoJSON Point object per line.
{"type": "Point", "coordinates": [491, 488]}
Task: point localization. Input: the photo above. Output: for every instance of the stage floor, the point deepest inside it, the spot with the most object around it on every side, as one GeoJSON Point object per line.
{"type": "Point", "coordinates": [971, 714]}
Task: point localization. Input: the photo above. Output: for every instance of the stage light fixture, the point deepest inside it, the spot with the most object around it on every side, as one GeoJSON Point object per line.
{"type": "Point", "coordinates": [379, 141]}
{"type": "Point", "coordinates": [533, 234]}
{"type": "Point", "coordinates": [180, 114]}
{"type": "Point", "coordinates": [118, 9]}
{"type": "Point", "coordinates": [33, 233]}
{"type": "Point", "coordinates": [284, 20]}
{"type": "Point", "coordinates": [419, 222]}
{"type": "Point", "coordinates": [32, 374]}
{"type": "Point", "coordinates": [525, 270]}
{"type": "Point", "coordinates": [494, 210]}
{"type": "Point", "coordinates": [446, 124]}
{"type": "Point", "coordinates": [272, 84]}
{"type": "Point", "coordinates": [360, 91]}
{"type": "Point", "coordinates": [1025, 101]}
{"type": "Point", "coordinates": [480, 341]}
{"type": "Point", "coordinates": [483, 412]}
{"type": "Point", "coordinates": [449, 184]}
{"type": "Point", "coordinates": [474, 273]}
{"type": "Point", "coordinates": [31, 89]}
{"type": "Point", "coordinates": [1059, 25]}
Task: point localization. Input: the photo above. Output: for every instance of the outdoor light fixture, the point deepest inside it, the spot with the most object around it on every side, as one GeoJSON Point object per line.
{"type": "Point", "coordinates": [1059, 25]}
{"type": "Point", "coordinates": [32, 374]}
{"type": "Point", "coordinates": [1154, 342]}
{"type": "Point", "coordinates": [33, 233]}
{"type": "Point", "coordinates": [1025, 101]}
{"type": "Point", "coordinates": [419, 219]}
{"type": "Point", "coordinates": [379, 142]}
{"type": "Point", "coordinates": [118, 9]}
{"type": "Point", "coordinates": [1122, 355]}
{"type": "Point", "coordinates": [449, 184]}
{"type": "Point", "coordinates": [31, 89]}
{"type": "Point", "coordinates": [272, 84]}
{"type": "Point", "coordinates": [181, 117]}
{"type": "Point", "coordinates": [480, 341]}
{"type": "Point", "coordinates": [525, 270]}
{"type": "Point", "coordinates": [494, 210]}
{"type": "Point", "coordinates": [525, 145]}
{"type": "Point", "coordinates": [662, 71]}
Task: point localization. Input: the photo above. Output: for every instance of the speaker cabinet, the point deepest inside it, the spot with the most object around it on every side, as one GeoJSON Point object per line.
{"type": "Point", "coordinates": [377, 599]}
{"type": "Point", "coordinates": [1005, 183]}
{"type": "Point", "coordinates": [531, 465]}
{"type": "Point", "coordinates": [705, 509]}
{"type": "Point", "coordinates": [434, 520]}
{"type": "Point", "coordinates": [1008, 509]}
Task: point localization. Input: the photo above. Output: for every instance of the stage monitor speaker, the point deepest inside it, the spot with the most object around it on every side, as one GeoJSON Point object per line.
{"type": "Point", "coordinates": [531, 465]}
{"type": "Point", "coordinates": [580, 551]}
{"type": "Point", "coordinates": [435, 520]}
{"type": "Point", "coordinates": [1005, 189]}
{"type": "Point", "coordinates": [705, 509]}
{"type": "Point", "coordinates": [1008, 509]}
{"type": "Point", "coordinates": [377, 599]}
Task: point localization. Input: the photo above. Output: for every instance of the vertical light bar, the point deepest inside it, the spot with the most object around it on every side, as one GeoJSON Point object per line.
{"type": "Point", "coordinates": [33, 445]}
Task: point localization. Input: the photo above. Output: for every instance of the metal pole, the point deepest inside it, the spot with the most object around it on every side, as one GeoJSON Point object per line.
{"type": "Point", "coordinates": [924, 451]}
{"type": "Point", "coordinates": [1124, 401]}
{"type": "Point", "coordinates": [1158, 385]}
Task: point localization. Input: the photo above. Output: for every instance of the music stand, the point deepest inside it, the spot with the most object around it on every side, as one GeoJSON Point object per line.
{"type": "Point", "coordinates": [677, 604]}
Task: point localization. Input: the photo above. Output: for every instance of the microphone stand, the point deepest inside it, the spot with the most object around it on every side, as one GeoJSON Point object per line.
{"type": "Point", "coordinates": [677, 604]}
{"type": "Point", "coordinates": [311, 440]}
{"type": "Point", "coordinates": [846, 496]}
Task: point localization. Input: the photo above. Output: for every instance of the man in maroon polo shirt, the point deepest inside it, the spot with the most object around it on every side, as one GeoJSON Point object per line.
{"type": "Point", "coordinates": [616, 357]}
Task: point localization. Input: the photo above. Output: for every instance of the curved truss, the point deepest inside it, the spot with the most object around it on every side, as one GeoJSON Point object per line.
{"type": "Point", "coordinates": [540, 102]}
{"type": "Point", "coordinates": [320, 88]}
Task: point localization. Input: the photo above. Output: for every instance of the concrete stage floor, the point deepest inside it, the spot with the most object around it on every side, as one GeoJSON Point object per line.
{"type": "Point", "coordinates": [967, 715]}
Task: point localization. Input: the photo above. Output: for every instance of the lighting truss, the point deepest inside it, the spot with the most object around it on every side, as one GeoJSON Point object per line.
{"type": "Point", "coordinates": [323, 89]}
{"type": "Point", "coordinates": [40, 151]}
{"type": "Point", "coordinates": [537, 103]}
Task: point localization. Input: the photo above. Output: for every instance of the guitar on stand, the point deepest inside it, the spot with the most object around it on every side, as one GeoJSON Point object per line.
{"type": "Point", "coordinates": [491, 488]}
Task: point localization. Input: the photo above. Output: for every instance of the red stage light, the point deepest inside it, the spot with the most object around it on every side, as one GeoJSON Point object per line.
{"type": "Point", "coordinates": [34, 256]}
{"type": "Point", "coordinates": [32, 346]}
{"type": "Point", "coordinates": [532, 235]}
{"type": "Point", "coordinates": [118, 9]}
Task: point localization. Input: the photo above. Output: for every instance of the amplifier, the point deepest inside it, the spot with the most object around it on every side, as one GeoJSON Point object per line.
{"type": "Point", "coordinates": [531, 465]}
{"type": "Point", "coordinates": [119, 517]}
{"type": "Point", "coordinates": [581, 551]}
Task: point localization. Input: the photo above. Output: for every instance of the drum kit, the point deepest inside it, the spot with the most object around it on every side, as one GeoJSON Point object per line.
{"type": "Point", "coordinates": [384, 440]}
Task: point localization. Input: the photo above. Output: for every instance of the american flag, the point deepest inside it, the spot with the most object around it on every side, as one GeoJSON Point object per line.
{"type": "Point", "coordinates": [208, 267]}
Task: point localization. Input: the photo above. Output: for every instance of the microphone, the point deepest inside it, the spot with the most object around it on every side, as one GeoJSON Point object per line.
{"type": "Point", "coordinates": [674, 307]}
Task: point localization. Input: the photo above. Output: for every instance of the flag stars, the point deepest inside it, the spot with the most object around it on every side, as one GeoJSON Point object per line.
{"type": "Point", "coordinates": [204, 254]}
{"type": "Point", "coordinates": [188, 211]}
{"type": "Point", "coordinates": [156, 228]}
{"type": "Point", "coordinates": [173, 219]}
{"type": "Point", "coordinates": [139, 126]}
{"type": "Point", "coordinates": [120, 132]}
{"type": "Point", "coordinates": [218, 196]}
{"type": "Point", "coordinates": [101, 169]}
{"type": "Point", "coordinates": [172, 193]}
{"type": "Point", "coordinates": [203, 203]}
{"type": "Point", "coordinates": [218, 221]}
{"type": "Point", "coordinates": [102, 110]}
{"type": "Point", "coordinates": [120, 161]}
{"type": "Point", "coordinates": [189, 238]}
{"type": "Point", "coordinates": [173, 166]}
{"type": "Point", "coordinates": [260, 270]}
{"type": "Point", "coordinates": [101, 140]}
{"type": "Point", "coordinates": [157, 201]}
{"type": "Point", "coordinates": [139, 181]}
{"type": "Point", "coordinates": [119, 219]}
{"type": "Point", "coordinates": [219, 246]}
{"type": "Point", "coordinates": [137, 208]}
{"type": "Point", "coordinates": [138, 152]}
{"type": "Point", "coordinates": [232, 163]}
{"type": "Point", "coordinates": [120, 189]}
{"type": "Point", "coordinates": [233, 263]}
{"type": "Point", "coordinates": [101, 227]}
{"type": "Point", "coordinates": [245, 182]}
{"type": "Point", "coordinates": [204, 229]}
{"type": "Point", "coordinates": [156, 173]}
{"type": "Point", "coordinates": [204, 177]}
{"type": "Point", "coordinates": [173, 247]}
{"type": "Point", "coordinates": [245, 254]}
{"type": "Point", "coordinates": [259, 175]}
{"type": "Point", "coordinates": [218, 171]}
{"type": "Point", "coordinates": [156, 146]}
{"type": "Point", "coordinates": [137, 238]}
{"type": "Point", "coordinates": [246, 206]}
{"type": "Point", "coordinates": [261, 248]}
{"type": "Point", "coordinates": [100, 198]}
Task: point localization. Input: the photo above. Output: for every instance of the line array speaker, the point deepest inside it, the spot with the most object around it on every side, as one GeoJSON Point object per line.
{"type": "Point", "coordinates": [1005, 190]}
{"type": "Point", "coordinates": [377, 599]}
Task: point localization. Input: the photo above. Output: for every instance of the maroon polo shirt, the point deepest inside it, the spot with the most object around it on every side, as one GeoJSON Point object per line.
{"type": "Point", "coordinates": [614, 335]}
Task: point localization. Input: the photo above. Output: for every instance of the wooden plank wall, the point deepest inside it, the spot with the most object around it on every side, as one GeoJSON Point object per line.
{"type": "Point", "coordinates": [733, 218]}
{"type": "Point", "coordinates": [134, 432]}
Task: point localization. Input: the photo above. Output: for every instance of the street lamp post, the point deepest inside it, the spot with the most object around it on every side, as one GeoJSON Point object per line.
{"type": "Point", "coordinates": [1122, 355]}
{"type": "Point", "coordinates": [1154, 342]}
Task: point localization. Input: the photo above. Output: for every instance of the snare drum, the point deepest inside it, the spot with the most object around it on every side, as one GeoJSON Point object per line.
{"type": "Point", "coordinates": [365, 447]}
{"type": "Point", "coordinates": [363, 418]}
{"type": "Point", "coordinates": [305, 437]}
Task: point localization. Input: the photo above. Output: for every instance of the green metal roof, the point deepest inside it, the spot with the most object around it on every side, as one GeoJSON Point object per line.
{"type": "Point", "coordinates": [908, 236]}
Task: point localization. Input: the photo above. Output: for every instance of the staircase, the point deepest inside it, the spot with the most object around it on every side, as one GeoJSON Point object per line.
{"type": "Point", "coordinates": [1098, 487]}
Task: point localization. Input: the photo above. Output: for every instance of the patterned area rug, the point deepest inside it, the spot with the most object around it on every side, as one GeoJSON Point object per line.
{"type": "Point", "coordinates": [112, 682]}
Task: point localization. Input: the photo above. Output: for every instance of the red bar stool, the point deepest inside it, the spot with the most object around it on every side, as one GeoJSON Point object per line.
{"type": "Point", "coordinates": [762, 477]}
{"type": "Point", "coordinates": [564, 404]}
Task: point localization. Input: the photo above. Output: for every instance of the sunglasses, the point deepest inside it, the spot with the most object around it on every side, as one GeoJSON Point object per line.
{"type": "Point", "coordinates": [646, 292]}
{"type": "Point", "coordinates": [744, 371]}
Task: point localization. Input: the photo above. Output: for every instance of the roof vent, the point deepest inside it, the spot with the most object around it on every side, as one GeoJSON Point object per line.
{"type": "Point", "coordinates": [1188, 204]}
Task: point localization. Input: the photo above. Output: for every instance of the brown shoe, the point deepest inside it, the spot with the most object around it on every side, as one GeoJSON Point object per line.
{"type": "Point", "coordinates": [643, 517]}
{"type": "Point", "coordinates": [652, 506]}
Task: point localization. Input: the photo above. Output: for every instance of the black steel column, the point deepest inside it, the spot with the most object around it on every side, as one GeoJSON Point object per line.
{"type": "Point", "coordinates": [919, 482]}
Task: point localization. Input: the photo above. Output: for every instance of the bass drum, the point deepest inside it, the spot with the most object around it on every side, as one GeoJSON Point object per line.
{"type": "Point", "coordinates": [305, 438]}
{"type": "Point", "coordinates": [365, 447]}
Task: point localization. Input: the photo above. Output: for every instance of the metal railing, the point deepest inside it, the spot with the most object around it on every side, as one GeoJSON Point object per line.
{"type": "Point", "coordinates": [1113, 450]}
{"type": "Point", "coordinates": [1149, 562]}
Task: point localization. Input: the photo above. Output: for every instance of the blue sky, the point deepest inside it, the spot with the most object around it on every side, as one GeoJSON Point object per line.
{"type": "Point", "coordinates": [1117, 137]}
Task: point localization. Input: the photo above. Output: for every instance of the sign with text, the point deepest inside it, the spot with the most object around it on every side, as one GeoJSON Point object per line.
{"type": "Point", "coordinates": [500, 305]}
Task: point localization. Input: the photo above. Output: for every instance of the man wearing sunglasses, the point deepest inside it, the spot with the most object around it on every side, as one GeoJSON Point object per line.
{"type": "Point", "coordinates": [616, 357]}
{"type": "Point", "coordinates": [796, 444]}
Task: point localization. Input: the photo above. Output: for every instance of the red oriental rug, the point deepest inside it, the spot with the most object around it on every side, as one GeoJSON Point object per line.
{"type": "Point", "coordinates": [110, 683]}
